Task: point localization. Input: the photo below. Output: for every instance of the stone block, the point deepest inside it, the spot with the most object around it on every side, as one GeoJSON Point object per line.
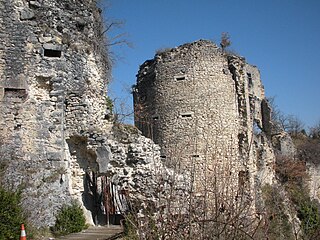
{"type": "Point", "coordinates": [104, 156]}
{"type": "Point", "coordinates": [35, 4]}
{"type": "Point", "coordinates": [51, 46]}
{"type": "Point", "coordinates": [54, 156]}
{"type": "Point", "coordinates": [1, 93]}
{"type": "Point", "coordinates": [26, 14]}
{"type": "Point", "coordinates": [45, 39]}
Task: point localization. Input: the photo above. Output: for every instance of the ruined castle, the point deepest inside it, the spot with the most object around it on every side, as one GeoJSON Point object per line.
{"type": "Point", "coordinates": [52, 82]}
{"type": "Point", "coordinates": [57, 142]}
{"type": "Point", "coordinates": [202, 113]}
{"type": "Point", "coordinates": [207, 111]}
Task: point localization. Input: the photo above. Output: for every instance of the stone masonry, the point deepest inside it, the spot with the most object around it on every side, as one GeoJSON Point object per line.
{"type": "Point", "coordinates": [53, 75]}
{"type": "Point", "coordinates": [207, 111]}
{"type": "Point", "coordinates": [205, 108]}
{"type": "Point", "coordinates": [57, 142]}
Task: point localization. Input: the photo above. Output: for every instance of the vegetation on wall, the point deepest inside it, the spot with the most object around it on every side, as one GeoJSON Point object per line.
{"type": "Point", "coordinates": [225, 40]}
{"type": "Point", "coordinates": [130, 228]}
{"type": "Point", "coordinates": [109, 103]}
{"type": "Point", "coordinates": [307, 212]}
{"type": "Point", "coordinates": [11, 214]}
{"type": "Point", "coordinates": [70, 219]}
{"type": "Point", "coordinates": [277, 224]}
{"type": "Point", "coordinates": [292, 173]}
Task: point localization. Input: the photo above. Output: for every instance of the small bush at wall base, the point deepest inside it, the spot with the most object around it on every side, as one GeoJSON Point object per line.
{"type": "Point", "coordinates": [309, 217]}
{"type": "Point", "coordinates": [130, 230]}
{"type": "Point", "coordinates": [70, 219]}
{"type": "Point", "coordinates": [307, 211]}
{"type": "Point", "coordinates": [11, 214]}
{"type": "Point", "coordinates": [277, 224]}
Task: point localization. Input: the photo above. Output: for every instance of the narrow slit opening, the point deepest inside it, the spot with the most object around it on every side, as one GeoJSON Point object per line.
{"type": "Point", "coordinates": [188, 115]}
{"type": "Point", "coordinates": [52, 53]}
{"type": "Point", "coordinates": [181, 78]}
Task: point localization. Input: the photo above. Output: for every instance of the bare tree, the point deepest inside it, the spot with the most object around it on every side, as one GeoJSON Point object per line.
{"type": "Point", "coordinates": [294, 125]}
{"type": "Point", "coordinates": [112, 33]}
{"type": "Point", "coordinates": [278, 118]}
{"type": "Point", "coordinates": [225, 40]}
{"type": "Point", "coordinates": [123, 113]}
{"type": "Point", "coordinates": [115, 39]}
{"type": "Point", "coordinates": [289, 123]}
{"type": "Point", "coordinates": [315, 131]}
{"type": "Point", "coordinates": [197, 201]}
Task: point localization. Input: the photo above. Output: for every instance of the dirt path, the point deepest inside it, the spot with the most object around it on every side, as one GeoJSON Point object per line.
{"type": "Point", "coordinates": [94, 233]}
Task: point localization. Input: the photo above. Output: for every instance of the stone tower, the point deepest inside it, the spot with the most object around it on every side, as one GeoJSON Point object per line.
{"type": "Point", "coordinates": [207, 111]}
{"type": "Point", "coordinates": [53, 75]}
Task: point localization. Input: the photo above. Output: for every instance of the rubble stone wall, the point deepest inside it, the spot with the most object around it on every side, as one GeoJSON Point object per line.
{"type": "Point", "coordinates": [53, 76]}
{"type": "Point", "coordinates": [207, 111]}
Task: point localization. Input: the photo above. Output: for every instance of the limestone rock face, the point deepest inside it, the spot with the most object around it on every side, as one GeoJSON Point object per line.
{"type": "Point", "coordinates": [57, 143]}
{"type": "Point", "coordinates": [53, 76]}
{"type": "Point", "coordinates": [207, 111]}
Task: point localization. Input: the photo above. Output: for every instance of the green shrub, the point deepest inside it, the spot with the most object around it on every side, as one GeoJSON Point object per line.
{"type": "Point", "coordinates": [70, 219]}
{"type": "Point", "coordinates": [130, 230]}
{"type": "Point", "coordinates": [308, 214]}
{"type": "Point", "coordinates": [277, 221]}
{"type": "Point", "coordinates": [307, 210]}
{"type": "Point", "coordinates": [11, 214]}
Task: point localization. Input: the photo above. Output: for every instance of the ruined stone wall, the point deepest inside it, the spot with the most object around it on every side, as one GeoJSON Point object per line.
{"type": "Point", "coordinates": [200, 105]}
{"type": "Point", "coordinates": [207, 111]}
{"type": "Point", "coordinates": [53, 76]}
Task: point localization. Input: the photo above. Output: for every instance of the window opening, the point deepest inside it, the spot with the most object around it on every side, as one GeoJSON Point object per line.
{"type": "Point", "coordinates": [180, 78]}
{"type": "Point", "coordinates": [256, 128]}
{"type": "Point", "coordinates": [250, 83]}
{"type": "Point", "coordinates": [52, 53]}
{"type": "Point", "coordinates": [186, 115]}
{"type": "Point", "coordinates": [16, 90]}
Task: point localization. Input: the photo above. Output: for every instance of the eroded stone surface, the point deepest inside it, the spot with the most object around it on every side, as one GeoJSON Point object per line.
{"type": "Point", "coordinates": [207, 111]}
{"type": "Point", "coordinates": [57, 143]}
{"type": "Point", "coordinates": [199, 104]}
{"type": "Point", "coordinates": [53, 77]}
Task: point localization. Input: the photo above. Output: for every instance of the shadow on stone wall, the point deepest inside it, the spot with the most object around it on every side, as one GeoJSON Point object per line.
{"type": "Point", "coordinates": [93, 199]}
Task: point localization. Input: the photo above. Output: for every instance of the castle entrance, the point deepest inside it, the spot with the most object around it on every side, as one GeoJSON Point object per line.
{"type": "Point", "coordinates": [104, 199]}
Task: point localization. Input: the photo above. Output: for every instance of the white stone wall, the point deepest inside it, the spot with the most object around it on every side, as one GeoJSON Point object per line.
{"type": "Point", "coordinates": [53, 76]}
{"type": "Point", "coordinates": [204, 108]}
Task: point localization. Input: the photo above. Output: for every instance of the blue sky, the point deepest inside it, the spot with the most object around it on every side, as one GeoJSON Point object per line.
{"type": "Point", "coordinates": [281, 37]}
